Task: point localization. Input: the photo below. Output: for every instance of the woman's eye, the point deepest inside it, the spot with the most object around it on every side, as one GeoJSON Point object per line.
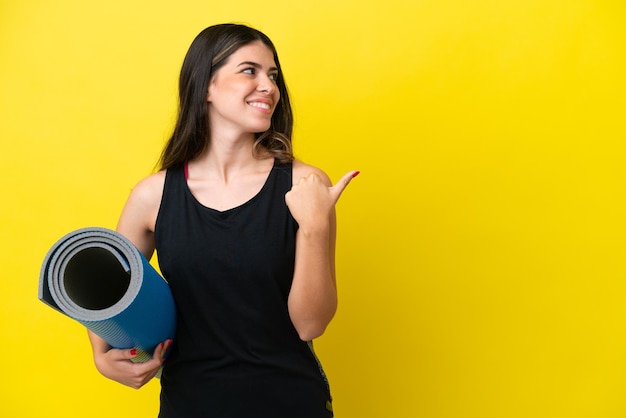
{"type": "Point", "coordinates": [252, 71]}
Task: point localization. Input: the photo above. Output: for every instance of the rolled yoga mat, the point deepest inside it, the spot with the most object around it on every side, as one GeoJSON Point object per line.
{"type": "Point", "coordinates": [99, 278]}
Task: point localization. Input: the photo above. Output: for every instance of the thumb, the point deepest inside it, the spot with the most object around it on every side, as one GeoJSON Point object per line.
{"type": "Point", "coordinates": [125, 354]}
{"type": "Point", "coordinates": [343, 182]}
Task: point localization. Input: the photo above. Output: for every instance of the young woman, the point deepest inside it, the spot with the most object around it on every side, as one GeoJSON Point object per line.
{"type": "Point", "coordinates": [246, 238]}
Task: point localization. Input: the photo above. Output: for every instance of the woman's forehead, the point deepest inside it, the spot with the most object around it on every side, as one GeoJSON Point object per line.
{"type": "Point", "coordinates": [256, 52]}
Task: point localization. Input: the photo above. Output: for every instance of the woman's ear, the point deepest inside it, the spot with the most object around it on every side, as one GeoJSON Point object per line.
{"type": "Point", "coordinates": [208, 90]}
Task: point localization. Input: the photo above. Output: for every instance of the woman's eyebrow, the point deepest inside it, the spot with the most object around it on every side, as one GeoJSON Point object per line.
{"type": "Point", "coordinates": [256, 65]}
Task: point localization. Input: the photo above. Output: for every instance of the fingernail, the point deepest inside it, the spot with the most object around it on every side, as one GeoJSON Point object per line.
{"type": "Point", "coordinates": [133, 352]}
{"type": "Point", "coordinates": [356, 173]}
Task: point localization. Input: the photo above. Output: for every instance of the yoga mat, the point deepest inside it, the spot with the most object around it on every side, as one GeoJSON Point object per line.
{"type": "Point", "coordinates": [99, 278]}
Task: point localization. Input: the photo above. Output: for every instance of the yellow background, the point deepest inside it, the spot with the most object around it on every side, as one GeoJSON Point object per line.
{"type": "Point", "coordinates": [481, 251]}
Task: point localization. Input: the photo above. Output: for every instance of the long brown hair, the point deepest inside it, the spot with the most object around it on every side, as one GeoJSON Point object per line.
{"type": "Point", "coordinates": [207, 53]}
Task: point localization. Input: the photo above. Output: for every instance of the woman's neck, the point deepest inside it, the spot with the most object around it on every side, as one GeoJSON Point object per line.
{"type": "Point", "coordinates": [224, 160]}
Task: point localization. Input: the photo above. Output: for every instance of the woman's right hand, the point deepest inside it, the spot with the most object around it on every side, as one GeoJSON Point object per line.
{"type": "Point", "coordinates": [116, 364]}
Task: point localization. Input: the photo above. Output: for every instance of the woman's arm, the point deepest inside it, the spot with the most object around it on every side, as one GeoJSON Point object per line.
{"type": "Point", "coordinates": [137, 224]}
{"type": "Point", "coordinates": [313, 297]}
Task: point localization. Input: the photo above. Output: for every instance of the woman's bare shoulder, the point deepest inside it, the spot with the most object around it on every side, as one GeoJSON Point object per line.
{"type": "Point", "coordinates": [143, 204]}
{"type": "Point", "coordinates": [138, 217]}
{"type": "Point", "coordinates": [149, 190]}
{"type": "Point", "coordinates": [302, 169]}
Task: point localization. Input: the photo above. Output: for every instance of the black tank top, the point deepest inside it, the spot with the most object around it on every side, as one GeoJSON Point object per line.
{"type": "Point", "coordinates": [236, 353]}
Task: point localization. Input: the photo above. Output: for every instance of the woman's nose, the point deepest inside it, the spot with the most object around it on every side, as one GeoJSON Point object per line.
{"type": "Point", "coordinates": [266, 84]}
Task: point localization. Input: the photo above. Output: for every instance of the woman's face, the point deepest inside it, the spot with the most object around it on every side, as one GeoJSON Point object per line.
{"type": "Point", "coordinates": [242, 94]}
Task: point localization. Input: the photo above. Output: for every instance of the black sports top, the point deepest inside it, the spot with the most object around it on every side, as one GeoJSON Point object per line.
{"type": "Point", "coordinates": [236, 353]}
